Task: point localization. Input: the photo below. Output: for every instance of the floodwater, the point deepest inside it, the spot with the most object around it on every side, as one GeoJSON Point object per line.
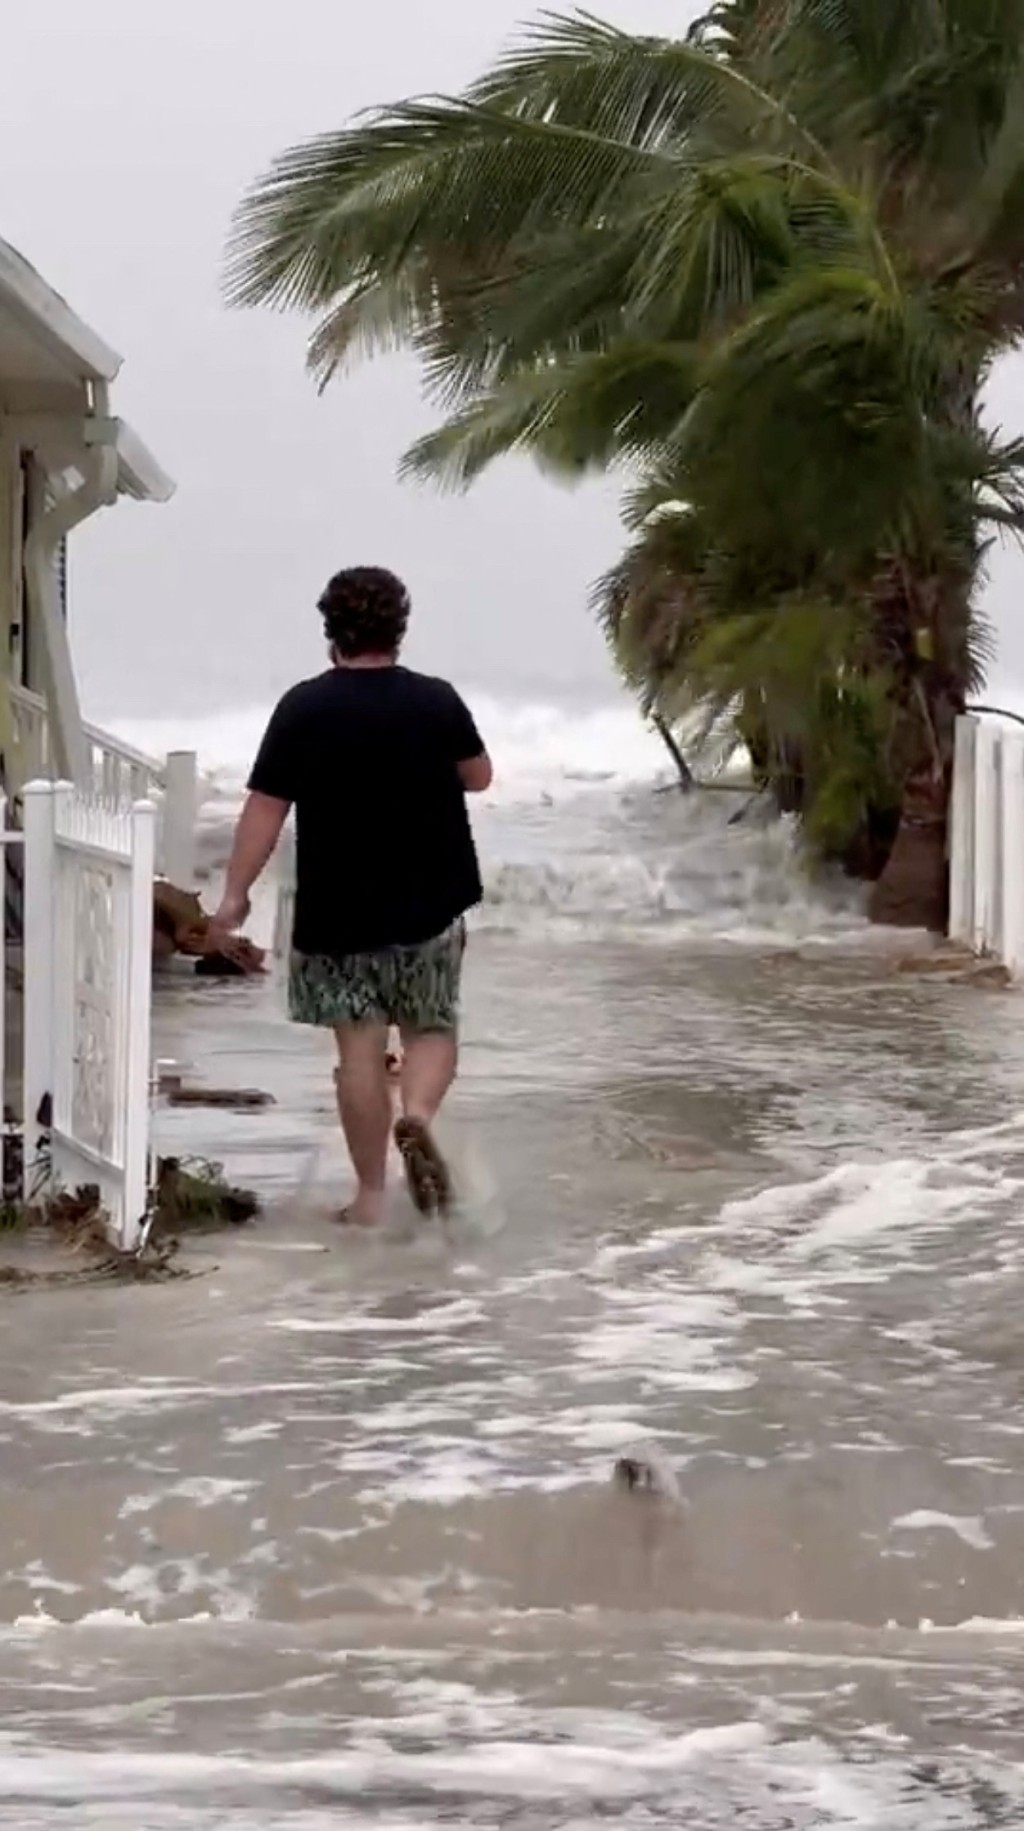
{"type": "Point", "coordinates": [326, 1536]}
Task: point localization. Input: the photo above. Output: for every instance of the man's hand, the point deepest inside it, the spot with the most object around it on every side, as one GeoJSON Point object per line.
{"type": "Point", "coordinates": [256, 835]}
{"type": "Point", "coordinates": [234, 910]}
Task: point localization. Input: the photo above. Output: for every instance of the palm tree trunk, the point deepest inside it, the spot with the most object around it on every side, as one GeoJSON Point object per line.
{"type": "Point", "coordinates": [913, 890]}
{"type": "Point", "coordinates": [934, 648]}
{"type": "Point", "coordinates": [668, 738]}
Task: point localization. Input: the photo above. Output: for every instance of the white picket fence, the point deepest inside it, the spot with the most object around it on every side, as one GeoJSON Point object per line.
{"type": "Point", "coordinates": [88, 925]}
{"type": "Point", "coordinates": [986, 909]}
{"type": "Point", "coordinates": [77, 1088]}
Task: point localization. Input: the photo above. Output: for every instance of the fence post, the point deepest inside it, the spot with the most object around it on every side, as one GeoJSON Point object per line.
{"type": "Point", "coordinates": [137, 1066]}
{"type": "Point", "coordinates": [1012, 851]}
{"type": "Point", "coordinates": [962, 831]}
{"type": "Point", "coordinates": [5, 856]}
{"type": "Point", "coordinates": [985, 859]}
{"type": "Point", "coordinates": [64, 944]}
{"type": "Point", "coordinates": [997, 937]}
{"type": "Point", "coordinates": [39, 821]}
{"type": "Point", "coordinates": [178, 847]}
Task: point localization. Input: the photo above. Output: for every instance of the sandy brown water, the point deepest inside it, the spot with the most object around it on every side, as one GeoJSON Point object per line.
{"type": "Point", "coordinates": [326, 1536]}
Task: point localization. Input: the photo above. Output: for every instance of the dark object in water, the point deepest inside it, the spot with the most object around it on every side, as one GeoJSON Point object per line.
{"type": "Point", "coordinates": [218, 966]}
{"type": "Point", "coordinates": [171, 1085]}
{"type": "Point", "coordinates": [218, 1096]}
{"type": "Point", "coordinates": [181, 926]}
{"type": "Point", "coordinates": [634, 1476]}
{"type": "Point", "coordinates": [196, 1196]}
{"type": "Point", "coordinates": [754, 801]}
{"type": "Point", "coordinates": [647, 1471]}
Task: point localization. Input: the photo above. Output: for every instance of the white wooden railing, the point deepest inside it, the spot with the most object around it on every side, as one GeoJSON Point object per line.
{"type": "Point", "coordinates": [120, 776]}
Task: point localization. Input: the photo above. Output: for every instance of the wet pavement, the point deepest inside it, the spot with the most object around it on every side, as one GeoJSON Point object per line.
{"type": "Point", "coordinates": [326, 1534]}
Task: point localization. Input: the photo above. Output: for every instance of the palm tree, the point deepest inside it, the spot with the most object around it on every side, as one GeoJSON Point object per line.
{"type": "Point", "coordinates": [766, 269]}
{"type": "Point", "coordinates": [794, 681]}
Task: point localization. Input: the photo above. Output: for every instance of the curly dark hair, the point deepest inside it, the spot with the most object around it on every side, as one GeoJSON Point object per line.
{"type": "Point", "coordinates": [365, 611]}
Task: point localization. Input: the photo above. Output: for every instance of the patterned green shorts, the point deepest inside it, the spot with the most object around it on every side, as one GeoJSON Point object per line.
{"type": "Point", "coordinates": [416, 988]}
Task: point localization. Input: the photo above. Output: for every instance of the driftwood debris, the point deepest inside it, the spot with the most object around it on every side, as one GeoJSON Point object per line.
{"type": "Point", "coordinates": [174, 1089]}
{"type": "Point", "coordinates": [957, 966]}
{"type": "Point", "coordinates": [182, 926]}
{"type": "Point", "coordinates": [194, 1197]}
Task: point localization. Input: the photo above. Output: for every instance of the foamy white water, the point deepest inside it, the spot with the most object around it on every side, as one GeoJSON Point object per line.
{"type": "Point", "coordinates": [414, 1602]}
{"type": "Point", "coordinates": [531, 1774]}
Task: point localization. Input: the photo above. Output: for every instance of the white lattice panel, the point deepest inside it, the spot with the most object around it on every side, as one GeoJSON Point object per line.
{"type": "Point", "coordinates": [89, 932]}
{"type": "Point", "coordinates": [93, 893]}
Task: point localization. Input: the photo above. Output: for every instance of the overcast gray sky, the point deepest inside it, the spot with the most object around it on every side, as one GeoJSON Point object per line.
{"type": "Point", "coordinates": [128, 132]}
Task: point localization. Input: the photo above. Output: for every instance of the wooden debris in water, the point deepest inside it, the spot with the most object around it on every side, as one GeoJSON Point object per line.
{"type": "Point", "coordinates": [957, 965]}
{"type": "Point", "coordinates": [182, 926]}
{"type": "Point", "coordinates": [172, 1086]}
{"type": "Point", "coordinates": [193, 1195]}
{"type": "Point", "coordinates": [188, 1197]}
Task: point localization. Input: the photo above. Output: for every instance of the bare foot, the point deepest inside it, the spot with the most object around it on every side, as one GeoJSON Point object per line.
{"type": "Point", "coordinates": [366, 1211]}
{"type": "Point", "coordinates": [426, 1172]}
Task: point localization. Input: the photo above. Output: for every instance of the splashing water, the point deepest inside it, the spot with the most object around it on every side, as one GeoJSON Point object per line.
{"type": "Point", "coordinates": [586, 833]}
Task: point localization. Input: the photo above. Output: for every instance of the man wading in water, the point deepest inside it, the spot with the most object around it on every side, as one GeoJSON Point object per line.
{"type": "Point", "coordinates": [377, 762]}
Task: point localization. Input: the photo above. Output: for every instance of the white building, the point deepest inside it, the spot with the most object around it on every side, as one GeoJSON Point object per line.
{"type": "Point", "coordinates": [64, 454]}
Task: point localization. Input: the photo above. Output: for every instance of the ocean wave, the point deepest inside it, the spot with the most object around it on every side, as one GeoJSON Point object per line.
{"type": "Point", "coordinates": [539, 749]}
{"type": "Point", "coordinates": [671, 868]}
{"type": "Point", "coordinates": [576, 837]}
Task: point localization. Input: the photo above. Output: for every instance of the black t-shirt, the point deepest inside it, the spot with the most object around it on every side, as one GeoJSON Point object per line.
{"type": "Point", "coordinates": [384, 849]}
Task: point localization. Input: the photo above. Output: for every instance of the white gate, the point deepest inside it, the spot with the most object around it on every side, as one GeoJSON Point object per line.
{"type": "Point", "coordinates": [88, 963]}
{"type": "Point", "coordinates": [986, 904]}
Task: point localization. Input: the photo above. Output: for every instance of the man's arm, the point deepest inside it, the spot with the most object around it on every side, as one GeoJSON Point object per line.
{"type": "Point", "coordinates": [476, 774]}
{"type": "Point", "coordinates": [272, 790]}
{"type": "Point", "coordinates": [472, 764]}
{"type": "Point", "coordinates": [256, 835]}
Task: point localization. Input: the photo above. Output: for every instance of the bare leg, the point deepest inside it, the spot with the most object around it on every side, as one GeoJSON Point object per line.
{"type": "Point", "coordinates": [365, 1111]}
{"type": "Point", "coordinates": [428, 1070]}
{"type": "Point", "coordinates": [429, 1063]}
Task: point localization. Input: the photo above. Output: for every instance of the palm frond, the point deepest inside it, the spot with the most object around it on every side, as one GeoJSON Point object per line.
{"type": "Point", "coordinates": [654, 91]}
{"type": "Point", "coordinates": [650, 607]}
{"type": "Point", "coordinates": [811, 431]}
{"type": "Point", "coordinates": [697, 254]}
{"type": "Point", "coordinates": [872, 38]}
{"type": "Point", "coordinates": [993, 224]}
{"type": "Point", "coordinates": [585, 413]}
{"type": "Point", "coordinates": [370, 320]}
{"type": "Point", "coordinates": [452, 177]}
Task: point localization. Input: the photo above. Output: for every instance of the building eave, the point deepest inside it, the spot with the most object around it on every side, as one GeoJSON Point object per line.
{"type": "Point", "coordinates": [138, 473]}
{"type": "Point", "coordinates": [42, 311]}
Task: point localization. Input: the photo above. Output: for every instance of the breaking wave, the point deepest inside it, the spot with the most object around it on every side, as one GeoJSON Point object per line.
{"type": "Point", "coordinates": [584, 830]}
